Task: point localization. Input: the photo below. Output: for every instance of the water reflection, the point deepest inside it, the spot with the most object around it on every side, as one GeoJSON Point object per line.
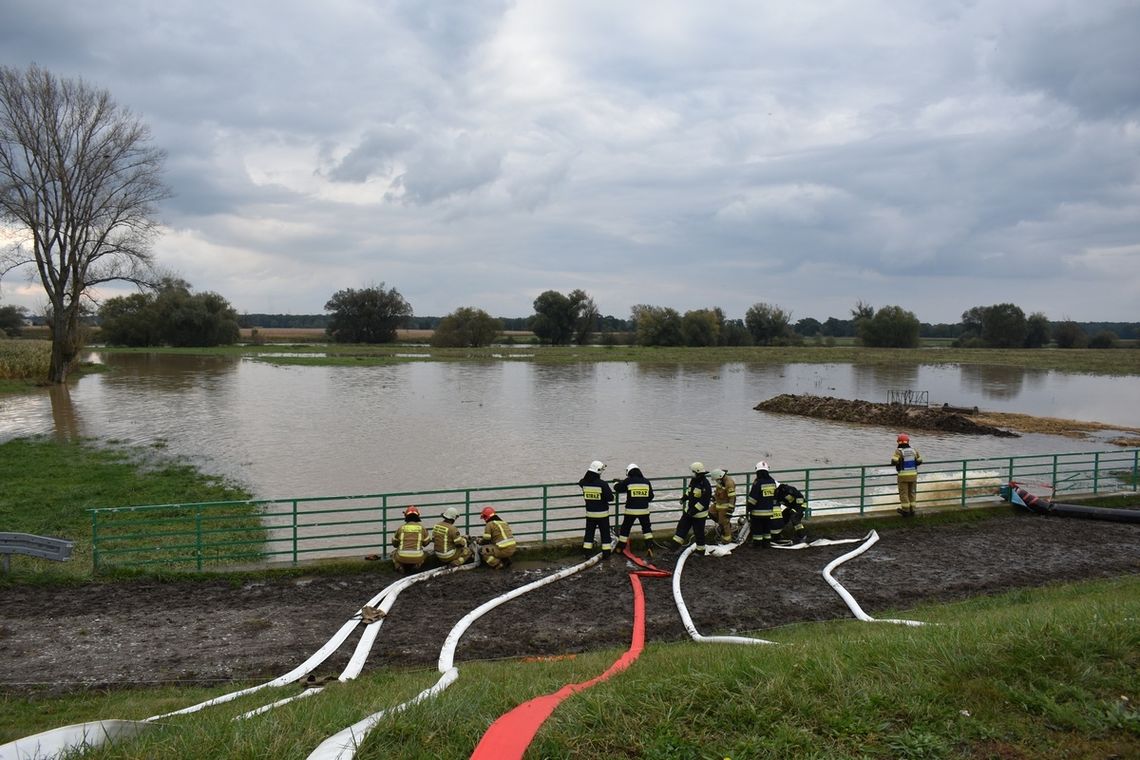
{"type": "Point", "coordinates": [874, 382]}
{"type": "Point", "coordinates": [997, 382]}
{"type": "Point", "coordinates": [65, 420]}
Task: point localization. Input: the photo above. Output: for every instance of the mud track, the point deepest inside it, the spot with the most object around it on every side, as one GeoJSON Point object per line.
{"type": "Point", "coordinates": [134, 633]}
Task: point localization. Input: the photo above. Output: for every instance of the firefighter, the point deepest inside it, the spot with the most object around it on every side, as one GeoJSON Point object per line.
{"type": "Point", "coordinates": [906, 461]}
{"type": "Point", "coordinates": [762, 506]}
{"type": "Point", "coordinates": [497, 545]}
{"type": "Point", "coordinates": [640, 494]}
{"type": "Point", "coordinates": [724, 503]}
{"type": "Point", "coordinates": [598, 496]}
{"type": "Point", "coordinates": [409, 543]}
{"type": "Point", "coordinates": [791, 501]}
{"type": "Point", "coordinates": [450, 546]}
{"type": "Point", "coordinates": [694, 509]}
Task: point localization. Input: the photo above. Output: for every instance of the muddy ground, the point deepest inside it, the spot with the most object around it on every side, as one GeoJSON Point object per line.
{"type": "Point", "coordinates": [127, 634]}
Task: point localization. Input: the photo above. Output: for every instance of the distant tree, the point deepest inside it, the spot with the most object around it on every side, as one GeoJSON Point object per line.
{"type": "Point", "coordinates": [370, 315]}
{"type": "Point", "coordinates": [559, 319]}
{"type": "Point", "coordinates": [657, 325]}
{"type": "Point", "coordinates": [973, 323]}
{"type": "Point", "coordinates": [1068, 334]}
{"type": "Point", "coordinates": [1103, 339]}
{"type": "Point", "coordinates": [838, 328]}
{"type": "Point", "coordinates": [1004, 326]}
{"type": "Point", "coordinates": [767, 324]}
{"type": "Point", "coordinates": [78, 177]}
{"type": "Point", "coordinates": [808, 326]}
{"type": "Point", "coordinates": [701, 327]}
{"type": "Point", "coordinates": [12, 320]}
{"type": "Point", "coordinates": [466, 327]}
{"type": "Point", "coordinates": [734, 333]}
{"type": "Point", "coordinates": [1036, 330]}
{"type": "Point", "coordinates": [890, 327]}
{"type": "Point", "coordinates": [171, 316]}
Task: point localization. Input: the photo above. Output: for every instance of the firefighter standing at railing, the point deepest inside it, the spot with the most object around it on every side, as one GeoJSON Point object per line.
{"type": "Point", "coordinates": [724, 503]}
{"type": "Point", "coordinates": [906, 460]}
{"type": "Point", "coordinates": [450, 546]}
{"type": "Point", "coordinates": [497, 545]}
{"type": "Point", "coordinates": [598, 496]}
{"type": "Point", "coordinates": [694, 509]}
{"type": "Point", "coordinates": [639, 493]}
{"type": "Point", "coordinates": [762, 506]}
{"type": "Point", "coordinates": [409, 543]}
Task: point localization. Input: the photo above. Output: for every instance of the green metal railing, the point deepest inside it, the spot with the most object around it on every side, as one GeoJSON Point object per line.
{"type": "Point", "coordinates": [224, 534]}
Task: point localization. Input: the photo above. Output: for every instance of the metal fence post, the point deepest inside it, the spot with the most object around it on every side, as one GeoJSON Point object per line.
{"type": "Point", "coordinates": [965, 469]}
{"type": "Point", "coordinates": [198, 535]}
{"type": "Point", "coordinates": [807, 492]}
{"type": "Point", "coordinates": [1054, 478]}
{"type": "Point", "coordinates": [94, 541]}
{"type": "Point", "coordinates": [1096, 472]}
{"type": "Point", "coordinates": [383, 525]}
{"type": "Point", "coordinates": [1010, 478]}
{"type": "Point", "coordinates": [1135, 467]}
{"type": "Point", "coordinates": [545, 514]}
{"type": "Point", "coordinates": [294, 531]}
{"type": "Point", "coordinates": [862, 490]}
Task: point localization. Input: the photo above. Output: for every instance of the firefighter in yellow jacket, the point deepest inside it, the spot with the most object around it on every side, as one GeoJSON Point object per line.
{"type": "Point", "coordinates": [450, 546]}
{"type": "Point", "coordinates": [906, 460]}
{"type": "Point", "coordinates": [409, 543]}
{"type": "Point", "coordinates": [724, 503]}
{"type": "Point", "coordinates": [497, 545]}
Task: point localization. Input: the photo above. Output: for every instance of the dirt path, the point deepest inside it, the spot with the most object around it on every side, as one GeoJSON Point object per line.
{"type": "Point", "coordinates": [126, 634]}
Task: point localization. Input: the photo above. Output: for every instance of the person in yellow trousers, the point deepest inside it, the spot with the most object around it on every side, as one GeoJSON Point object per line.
{"type": "Point", "coordinates": [906, 460]}
{"type": "Point", "coordinates": [724, 503]}
{"type": "Point", "coordinates": [450, 546]}
{"type": "Point", "coordinates": [497, 545]}
{"type": "Point", "coordinates": [409, 543]}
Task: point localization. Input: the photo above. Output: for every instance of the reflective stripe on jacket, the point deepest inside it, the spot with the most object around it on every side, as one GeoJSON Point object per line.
{"type": "Point", "coordinates": [597, 494]}
{"type": "Point", "coordinates": [409, 541]}
{"type": "Point", "coordinates": [640, 493]}
{"type": "Point", "coordinates": [762, 497]}
{"type": "Point", "coordinates": [498, 533]}
{"type": "Point", "coordinates": [906, 461]}
{"type": "Point", "coordinates": [447, 540]}
{"type": "Point", "coordinates": [697, 496]}
{"type": "Point", "coordinates": [724, 492]}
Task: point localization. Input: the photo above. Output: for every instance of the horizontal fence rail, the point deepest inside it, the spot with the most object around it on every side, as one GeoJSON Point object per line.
{"type": "Point", "coordinates": [215, 535]}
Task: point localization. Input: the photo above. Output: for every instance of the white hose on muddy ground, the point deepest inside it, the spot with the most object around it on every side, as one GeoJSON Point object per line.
{"type": "Point", "coordinates": [343, 744]}
{"type": "Point", "coordinates": [688, 620]}
{"type": "Point", "coordinates": [868, 542]}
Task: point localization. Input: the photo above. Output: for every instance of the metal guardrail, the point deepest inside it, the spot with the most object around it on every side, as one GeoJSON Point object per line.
{"type": "Point", "coordinates": [218, 534]}
{"type": "Point", "coordinates": [43, 547]}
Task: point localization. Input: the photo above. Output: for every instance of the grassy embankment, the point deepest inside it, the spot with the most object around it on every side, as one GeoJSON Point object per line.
{"type": "Point", "coordinates": [49, 485]}
{"type": "Point", "coordinates": [1039, 673]}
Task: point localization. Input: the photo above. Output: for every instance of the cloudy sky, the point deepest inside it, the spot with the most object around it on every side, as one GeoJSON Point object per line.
{"type": "Point", "coordinates": [934, 154]}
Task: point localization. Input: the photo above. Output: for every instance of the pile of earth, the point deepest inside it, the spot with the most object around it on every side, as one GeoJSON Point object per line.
{"type": "Point", "coordinates": [897, 416]}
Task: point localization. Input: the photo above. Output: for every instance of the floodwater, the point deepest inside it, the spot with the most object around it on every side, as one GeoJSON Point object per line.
{"type": "Point", "coordinates": [321, 431]}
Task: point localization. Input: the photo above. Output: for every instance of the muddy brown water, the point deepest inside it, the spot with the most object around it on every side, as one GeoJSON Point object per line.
{"type": "Point", "coordinates": [132, 633]}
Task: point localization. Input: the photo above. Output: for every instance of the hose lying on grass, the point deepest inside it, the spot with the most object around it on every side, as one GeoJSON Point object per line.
{"type": "Point", "coordinates": [868, 542]}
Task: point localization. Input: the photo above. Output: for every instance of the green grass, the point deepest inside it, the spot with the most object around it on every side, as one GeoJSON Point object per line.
{"type": "Point", "coordinates": [1039, 673]}
{"type": "Point", "coordinates": [49, 485]}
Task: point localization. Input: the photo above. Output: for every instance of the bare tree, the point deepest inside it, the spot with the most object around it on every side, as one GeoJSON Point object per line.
{"type": "Point", "coordinates": [79, 184]}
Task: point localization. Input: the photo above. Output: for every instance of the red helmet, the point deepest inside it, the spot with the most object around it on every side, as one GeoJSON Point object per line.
{"type": "Point", "coordinates": [487, 513]}
{"type": "Point", "coordinates": [412, 510]}
{"type": "Point", "coordinates": [903, 438]}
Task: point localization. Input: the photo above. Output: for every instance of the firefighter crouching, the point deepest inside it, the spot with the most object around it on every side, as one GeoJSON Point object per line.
{"type": "Point", "coordinates": [409, 543]}
{"type": "Point", "coordinates": [791, 500]}
{"type": "Point", "coordinates": [450, 546]}
{"type": "Point", "coordinates": [497, 545]}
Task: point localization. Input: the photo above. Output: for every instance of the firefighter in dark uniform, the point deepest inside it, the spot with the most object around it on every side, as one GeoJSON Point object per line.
{"type": "Point", "coordinates": [762, 506]}
{"type": "Point", "coordinates": [694, 509]}
{"type": "Point", "coordinates": [639, 493]}
{"type": "Point", "coordinates": [598, 496]}
{"type": "Point", "coordinates": [791, 500]}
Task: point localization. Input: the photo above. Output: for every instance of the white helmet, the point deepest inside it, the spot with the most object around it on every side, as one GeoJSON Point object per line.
{"type": "Point", "coordinates": [597, 466]}
{"type": "Point", "coordinates": [761, 466]}
{"type": "Point", "coordinates": [631, 467]}
{"type": "Point", "coordinates": [717, 474]}
{"type": "Point", "coordinates": [450, 513]}
{"type": "Point", "coordinates": [698, 468]}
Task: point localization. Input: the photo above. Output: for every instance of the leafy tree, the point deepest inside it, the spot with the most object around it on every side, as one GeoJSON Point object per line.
{"type": "Point", "coordinates": [466, 327]}
{"type": "Point", "coordinates": [1004, 326]}
{"type": "Point", "coordinates": [701, 327]}
{"type": "Point", "coordinates": [734, 333]}
{"type": "Point", "coordinates": [890, 327]}
{"type": "Point", "coordinates": [171, 315]}
{"type": "Point", "coordinates": [1103, 339]}
{"type": "Point", "coordinates": [838, 328]}
{"type": "Point", "coordinates": [78, 177]}
{"type": "Point", "coordinates": [369, 315]}
{"type": "Point", "coordinates": [973, 323]}
{"type": "Point", "coordinates": [657, 325]}
{"type": "Point", "coordinates": [1036, 330]}
{"type": "Point", "coordinates": [11, 320]}
{"type": "Point", "coordinates": [1068, 334]}
{"type": "Point", "coordinates": [767, 324]}
{"type": "Point", "coordinates": [559, 318]}
{"type": "Point", "coordinates": [808, 326]}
